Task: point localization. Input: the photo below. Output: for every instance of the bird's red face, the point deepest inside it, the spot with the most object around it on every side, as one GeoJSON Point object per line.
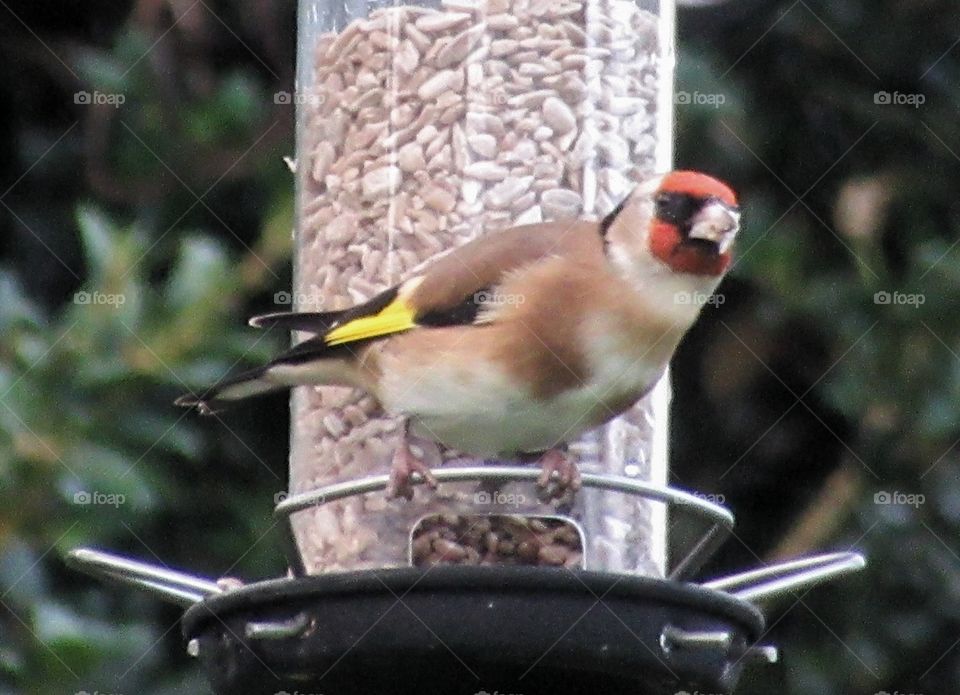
{"type": "Point", "coordinates": [696, 218]}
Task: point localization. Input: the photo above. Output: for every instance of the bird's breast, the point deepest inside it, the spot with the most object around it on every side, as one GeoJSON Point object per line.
{"type": "Point", "coordinates": [475, 401]}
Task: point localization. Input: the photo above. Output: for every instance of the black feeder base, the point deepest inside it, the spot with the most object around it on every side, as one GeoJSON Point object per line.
{"type": "Point", "coordinates": [451, 630]}
{"type": "Point", "coordinates": [472, 630]}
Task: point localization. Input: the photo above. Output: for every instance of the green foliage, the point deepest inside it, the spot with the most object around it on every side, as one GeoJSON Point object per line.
{"type": "Point", "coordinates": [98, 458]}
{"type": "Point", "coordinates": [92, 451]}
{"type": "Point", "coordinates": [848, 299]}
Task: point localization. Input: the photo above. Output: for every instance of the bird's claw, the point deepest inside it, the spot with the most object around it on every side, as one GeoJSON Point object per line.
{"type": "Point", "coordinates": [559, 476]}
{"type": "Point", "coordinates": [406, 471]}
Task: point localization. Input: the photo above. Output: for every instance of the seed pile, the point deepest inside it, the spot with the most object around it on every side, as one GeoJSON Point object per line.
{"type": "Point", "coordinates": [495, 540]}
{"type": "Point", "coordinates": [422, 128]}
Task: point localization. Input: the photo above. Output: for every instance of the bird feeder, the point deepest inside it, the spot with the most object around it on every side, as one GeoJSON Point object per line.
{"type": "Point", "coordinates": [462, 629]}
{"type": "Point", "coordinates": [419, 127]}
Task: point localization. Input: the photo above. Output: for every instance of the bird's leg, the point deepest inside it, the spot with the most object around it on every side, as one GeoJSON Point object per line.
{"type": "Point", "coordinates": [559, 475]}
{"type": "Point", "coordinates": [405, 467]}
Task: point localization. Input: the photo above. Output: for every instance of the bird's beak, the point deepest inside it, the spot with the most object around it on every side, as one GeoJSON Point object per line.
{"type": "Point", "coordinates": [716, 222]}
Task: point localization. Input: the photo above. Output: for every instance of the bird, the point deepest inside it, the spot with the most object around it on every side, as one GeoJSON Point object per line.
{"type": "Point", "coordinates": [522, 339]}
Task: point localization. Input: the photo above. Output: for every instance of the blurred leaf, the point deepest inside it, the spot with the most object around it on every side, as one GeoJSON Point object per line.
{"type": "Point", "coordinates": [201, 275]}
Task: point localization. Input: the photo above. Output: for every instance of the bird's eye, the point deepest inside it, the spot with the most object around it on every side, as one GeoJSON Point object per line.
{"type": "Point", "coordinates": [675, 208]}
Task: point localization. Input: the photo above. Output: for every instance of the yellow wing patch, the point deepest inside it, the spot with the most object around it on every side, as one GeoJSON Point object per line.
{"type": "Point", "coordinates": [395, 317]}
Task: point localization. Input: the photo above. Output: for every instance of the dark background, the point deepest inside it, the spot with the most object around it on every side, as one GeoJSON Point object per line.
{"type": "Point", "coordinates": [798, 399]}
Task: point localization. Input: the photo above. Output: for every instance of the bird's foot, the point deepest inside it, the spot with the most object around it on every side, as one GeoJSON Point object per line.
{"type": "Point", "coordinates": [406, 470]}
{"type": "Point", "coordinates": [559, 476]}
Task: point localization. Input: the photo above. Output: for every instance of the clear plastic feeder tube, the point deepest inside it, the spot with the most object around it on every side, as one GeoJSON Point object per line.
{"type": "Point", "coordinates": [421, 126]}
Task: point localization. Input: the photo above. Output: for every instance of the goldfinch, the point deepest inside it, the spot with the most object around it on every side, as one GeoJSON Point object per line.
{"type": "Point", "coordinates": [522, 339]}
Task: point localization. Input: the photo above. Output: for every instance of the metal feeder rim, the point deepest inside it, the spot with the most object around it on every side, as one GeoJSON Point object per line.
{"type": "Point", "coordinates": [775, 581]}
{"type": "Point", "coordinates": [179, 588]}
{"type": "Point", "coordinates": [721, 518]}
{"type": "Point", "coordinates": [753, 586]}
{"type": "Point", "coordinates": [476, 579]}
